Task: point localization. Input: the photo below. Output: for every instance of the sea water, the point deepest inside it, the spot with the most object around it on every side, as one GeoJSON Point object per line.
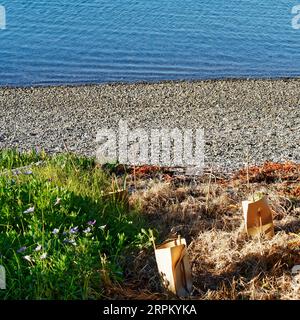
{"type": "Point", "coordinates": [96, 41]}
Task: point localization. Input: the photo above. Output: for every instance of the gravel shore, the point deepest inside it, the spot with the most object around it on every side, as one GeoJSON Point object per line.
{"type": "Point", "coordinates": [262, 116]}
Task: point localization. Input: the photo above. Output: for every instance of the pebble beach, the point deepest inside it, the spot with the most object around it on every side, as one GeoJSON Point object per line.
{"type": "Point", "coordinates": [243, 120]}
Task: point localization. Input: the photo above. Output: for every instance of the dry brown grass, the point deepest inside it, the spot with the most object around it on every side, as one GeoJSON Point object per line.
{"type": "Point", "coordinates": [226, 263]}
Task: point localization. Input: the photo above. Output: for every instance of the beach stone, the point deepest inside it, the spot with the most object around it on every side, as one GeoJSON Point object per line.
{"type": "Point", "coordinates": [260, 115]}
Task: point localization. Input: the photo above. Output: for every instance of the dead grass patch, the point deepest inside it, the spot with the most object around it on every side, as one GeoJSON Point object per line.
{"type": "Point", "coordinates": [226, 263]}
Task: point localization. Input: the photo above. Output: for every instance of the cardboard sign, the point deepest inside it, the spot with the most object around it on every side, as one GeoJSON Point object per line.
{"type": "Point", "coordinates": [258, 218]}
{"type": "Point", "coordinates": [174, 267]}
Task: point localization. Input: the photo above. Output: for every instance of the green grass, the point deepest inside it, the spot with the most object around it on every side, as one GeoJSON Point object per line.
{"type": "Point", "coordinates": [58, 238]}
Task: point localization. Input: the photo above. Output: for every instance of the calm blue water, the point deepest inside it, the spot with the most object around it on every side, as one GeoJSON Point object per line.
{"type": "Point", "coordinates": [72, 41]}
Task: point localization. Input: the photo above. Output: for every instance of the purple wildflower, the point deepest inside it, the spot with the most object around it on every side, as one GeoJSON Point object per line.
{"type": "Point", "coordinates": [17, 172]}
{"type": "Point", "coordinates": [28, 258]}
{"type": "Point", "coordinates": [43, 256]}
{"type": "Point", "coordinates": [29, 210]}
{"type": "Point", "coordinates": [91, 222]}
{"type": "Point", "coordinates": [22, 249]}
{"type": "Point", "coordinates": [58, 200]}
{"type": "Point", "coordinates": [87, 230]}
{"type": "Point", "coordinates": [55, 231]}
{"type": "Point", "coordinates": [70, 241]}
{"type": "Point", "coordinates": [29, 172]}
{"type": "Point", "coordinates": [74, 230]}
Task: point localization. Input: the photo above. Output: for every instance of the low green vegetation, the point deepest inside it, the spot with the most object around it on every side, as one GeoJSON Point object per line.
{"type": "Point", "coordinates": [59, 238]}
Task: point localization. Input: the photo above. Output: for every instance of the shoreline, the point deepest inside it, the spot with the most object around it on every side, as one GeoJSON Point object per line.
{"type": "Point", "coordinates": [146, 82]}
{"type": "Point", "coordinates": [260, 114]}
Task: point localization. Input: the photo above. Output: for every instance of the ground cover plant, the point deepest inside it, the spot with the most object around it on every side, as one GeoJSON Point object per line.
{"type": "Point", "coordinates": [58, 238]}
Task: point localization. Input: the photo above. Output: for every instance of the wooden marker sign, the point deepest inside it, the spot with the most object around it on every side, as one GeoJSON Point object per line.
{"type": "Point", "coordinates": [258, 218]}
{"type": "Point", "coordinates": [173, 266]}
